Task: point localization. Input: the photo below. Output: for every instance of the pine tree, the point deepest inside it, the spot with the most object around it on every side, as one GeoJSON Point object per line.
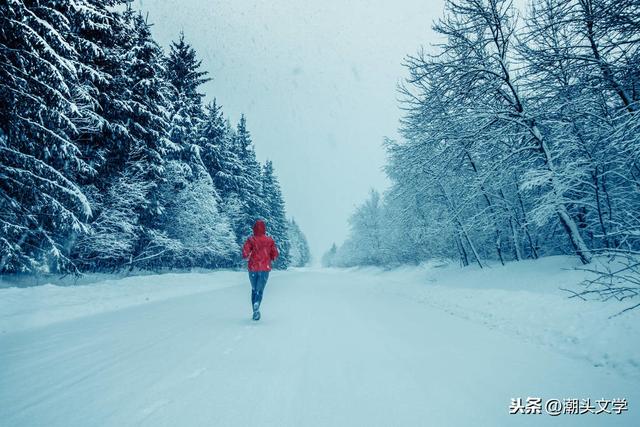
{"type": "Point", "coordinates": [40, 117]}
{"type": "Point", "coordinates": [247, 199]}
{"type": "Point", "coordinates": [329, 257]}
{"type": "Point", "coordinates": [97, 127]}
{"type": "Point", "coordinates": [182, 71]}
{"type": "Point", "coordinates": [126, 198]}
{"type": "Point", "coordinates": [149, 105]}
{"type": "Point", "coordinates": [201, 233]}
{"type": "Point", "coordinates": [101, 35]}
{"type": "Point", "coordinates": [275, 215]}
{"type": "Point", "coordinates": [299, 248]}
{"type": "Point", "coordinates": [215, 140]}
{"type": "Point", "coordinates": [195, 218]}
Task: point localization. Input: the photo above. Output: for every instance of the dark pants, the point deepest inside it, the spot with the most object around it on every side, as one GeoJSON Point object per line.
{"type": "Point", "coordinates": [258, 281]}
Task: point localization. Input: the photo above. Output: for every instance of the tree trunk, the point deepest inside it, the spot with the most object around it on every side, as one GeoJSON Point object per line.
{"type": "Point", "coordinates": [464, 258]}
{"type": "Point", "coordinates": [570, 226]}
{"type": "Point", "coordinates": [491, 209]}
{"type": "Point", "coordinates": [459, 223]}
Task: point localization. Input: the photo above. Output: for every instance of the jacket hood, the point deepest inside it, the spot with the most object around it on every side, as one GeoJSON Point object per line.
{"type": "Point", "coordinates": [259, 228]}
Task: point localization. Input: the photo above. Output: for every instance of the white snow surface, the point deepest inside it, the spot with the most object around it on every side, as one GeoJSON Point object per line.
{"type": "Point", "coordinates": [435, 345]}
{"type": "Point", "coordinates": [24, 308]}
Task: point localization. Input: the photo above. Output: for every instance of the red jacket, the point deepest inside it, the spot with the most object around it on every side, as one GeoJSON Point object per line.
{"type": "Point", "coordinates": [260, 249]}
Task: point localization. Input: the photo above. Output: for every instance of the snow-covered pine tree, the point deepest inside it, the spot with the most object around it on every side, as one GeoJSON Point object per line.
{"type": "Point", "coordinates": [115, 232]}
{"type": "Point", "coordinates": [90, 111]}
{"type": "Point", "coordinates": [194, 215]}
{"type": "Point", "coordinates": [193, 219]}
{"type": "Point", "coordinates": [183, 72]}
{"type": "Point", "coordinates": [275, 215]}
{"type": "Point", "coordinates": [299, 252]}
{"type": "Point", "coordinates": [329, 257]}
{"type": "Point", "coordinates": [40, 203]}
{"type": "Point", "coordinates": [126, 197]}
{"type": "Point", "coordinates": [246, 201]}
{"type": "Point", "coordinates": [184, 77]}
{"type": "Point", "coordinates": [103, 35]}
{"type": "Point", "coordinates": [150, 105]}
{"type": "Point", "coordinates": [215, 139]}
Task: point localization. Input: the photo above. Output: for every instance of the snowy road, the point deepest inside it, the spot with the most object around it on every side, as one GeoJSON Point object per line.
{"type": "Point", "coordinates": [333, 349]}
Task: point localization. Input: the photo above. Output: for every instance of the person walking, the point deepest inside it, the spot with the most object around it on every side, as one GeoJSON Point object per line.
{"type": "Point", "coordinates": [261, 250]}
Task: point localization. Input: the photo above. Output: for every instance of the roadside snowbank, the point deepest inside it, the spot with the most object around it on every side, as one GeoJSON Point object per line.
{"type": "Point", "coordinates": [524, 299]}
{"type": "Point", "coordinates": [24, 308]}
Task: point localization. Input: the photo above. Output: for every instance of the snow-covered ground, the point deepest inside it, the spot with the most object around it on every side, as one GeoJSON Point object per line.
{"type": "Point", "coordinates": [431, 345]}
{"type": "Point", "coordinates": [23, 308]}
{"type": "Point", "coordinates": [527, 300]}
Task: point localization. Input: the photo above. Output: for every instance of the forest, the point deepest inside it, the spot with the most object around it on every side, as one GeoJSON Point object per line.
{"type": "Point", "coordinates": [110, 158]}
{"type": "Point", "coordinates": [520, 139]}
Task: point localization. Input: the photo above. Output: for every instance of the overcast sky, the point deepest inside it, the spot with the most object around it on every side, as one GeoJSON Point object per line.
{"type": "Point", "coordinates": [317, 82]}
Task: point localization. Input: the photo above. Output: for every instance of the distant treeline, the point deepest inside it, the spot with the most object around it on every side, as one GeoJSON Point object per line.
{"type": "Point", "coordinates": [520, 139]}
{"type": "Point", "coordinates": [108, 157]}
